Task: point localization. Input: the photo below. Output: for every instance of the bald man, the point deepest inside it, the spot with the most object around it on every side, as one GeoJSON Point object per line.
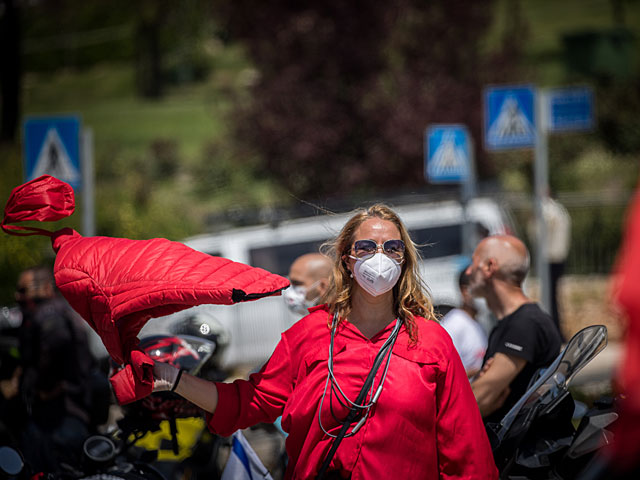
{"type": "Point", "coordinates": [525, 338]}
{"type": "Point", "coordinates": [309, 277]}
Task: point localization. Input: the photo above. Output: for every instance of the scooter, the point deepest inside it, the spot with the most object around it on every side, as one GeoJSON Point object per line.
{"type": "Point", "coordinates": [537, 439]}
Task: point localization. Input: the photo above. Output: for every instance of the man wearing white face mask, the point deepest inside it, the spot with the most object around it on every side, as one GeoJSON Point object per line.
{"type": "Point", "coordinates": [309, 277]}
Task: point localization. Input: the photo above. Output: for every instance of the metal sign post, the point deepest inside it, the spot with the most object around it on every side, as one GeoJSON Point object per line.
{"type": "Point", "coordinates": [88, 207]}
{"type": "Point", "coordinates": [469, 190]}
{"type": "Point", "coordinates": [541, 188]}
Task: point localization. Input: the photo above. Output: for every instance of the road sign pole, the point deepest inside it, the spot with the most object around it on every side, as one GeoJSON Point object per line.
{"type": "Point", "coordinates": [469, 239]}
{"type": "Point", "coordinates": [88, 209]}
{"type": "Point", "coordinates": [541, 176]}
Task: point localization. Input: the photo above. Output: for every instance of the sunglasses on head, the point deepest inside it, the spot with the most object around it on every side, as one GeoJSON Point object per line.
{"type": "Point", "coordinates": [364, 249]}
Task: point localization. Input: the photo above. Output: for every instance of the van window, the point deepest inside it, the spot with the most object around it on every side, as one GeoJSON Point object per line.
{"type": "Point", "coordinates": [435, 242]}
{"type": "Point", "coordinates": [278, 258]}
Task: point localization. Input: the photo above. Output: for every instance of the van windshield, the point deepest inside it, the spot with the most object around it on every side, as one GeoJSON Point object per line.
{"type": "Point", "coordinates": [278, 258]}
{"type": "Point", "coordinates": [435, 242]}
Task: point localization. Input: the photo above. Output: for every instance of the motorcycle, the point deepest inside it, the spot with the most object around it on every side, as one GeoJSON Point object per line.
{"type": "Point", "coordinates": [127, 451]}
{"type": "Point", "coordinates": [537, 439]}
{"type": "Point", "coordinates": [104, 457]}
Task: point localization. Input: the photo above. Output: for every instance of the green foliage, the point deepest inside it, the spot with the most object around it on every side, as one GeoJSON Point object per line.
{"type": "Point", "coordinates": [619, 122]}
{"type": "Point", "coordinates": [596, 237]}
{"type": "Point", "coordinates": [345, 90]}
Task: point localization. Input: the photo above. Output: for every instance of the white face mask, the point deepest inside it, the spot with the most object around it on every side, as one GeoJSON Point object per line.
{"type": "Point", "coordinates": [377, 274]}
{"type": "Point", "coordinates": [295, 297]}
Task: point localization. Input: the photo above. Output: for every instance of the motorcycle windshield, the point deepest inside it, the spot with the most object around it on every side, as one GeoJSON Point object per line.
{"type": "Point", "coordinates": [553, 382]}
{"type": "Point", "coordinates": [182, 351]}
{"type": "Point", "coordinates": [204, 349]}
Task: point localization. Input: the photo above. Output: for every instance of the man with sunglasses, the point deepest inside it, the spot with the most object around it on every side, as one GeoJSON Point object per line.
{"type": "Point", "coordinates": [525, 338]}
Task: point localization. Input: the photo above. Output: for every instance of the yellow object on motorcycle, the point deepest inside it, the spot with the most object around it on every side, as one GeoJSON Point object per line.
{"type": "Point", "coordinates": [189, 432]}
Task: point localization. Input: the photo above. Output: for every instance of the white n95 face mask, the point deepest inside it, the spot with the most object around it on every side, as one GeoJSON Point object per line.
{"type": "Point", "coordinates": [295, 297]}
{"type": "Point", "coordinates": [377, 274]}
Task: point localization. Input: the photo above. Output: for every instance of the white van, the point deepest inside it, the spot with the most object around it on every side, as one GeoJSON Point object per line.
{"type": "Point", "coordinates": [255, 327]}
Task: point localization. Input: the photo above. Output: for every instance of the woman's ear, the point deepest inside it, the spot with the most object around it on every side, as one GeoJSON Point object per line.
{"type": "Point", "coordinates": [345, 264]}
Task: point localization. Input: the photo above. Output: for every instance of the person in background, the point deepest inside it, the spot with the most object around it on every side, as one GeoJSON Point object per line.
{"type": "Point", "coordinates": [59, 373]}
{"type": "Point", "coordinates": [309, 276]}
{"type": "Point", "coordinates": [13, 414]}
{"type": "Point", "coordinates": [369, 384]}
{"type": "Point", "coordinates": [558, 223]}
{"type": "Point", "coordinates": [558, 242]}
{"type": "Point", "coordinates": [525, 338]}
{"type": "Point", "coordinates": [467, 334]}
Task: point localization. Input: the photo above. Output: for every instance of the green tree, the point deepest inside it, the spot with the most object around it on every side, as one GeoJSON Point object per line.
{"type": "Point", "coordinates": [345, 89]}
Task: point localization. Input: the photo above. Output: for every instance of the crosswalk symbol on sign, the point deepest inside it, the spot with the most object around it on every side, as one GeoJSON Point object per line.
{"type": "Point", "coordinates": [511, 125]}
{"type": "Point", "coordinates": [51, 147]}
{"type": "Point", "coordinates": [447, 154]}
{"type": "Point", "coordinates": [449, 159]}
{"type": "Point", "coordinates": [510, 118]}
{"type": "Point", "coordinates": [54, 160]}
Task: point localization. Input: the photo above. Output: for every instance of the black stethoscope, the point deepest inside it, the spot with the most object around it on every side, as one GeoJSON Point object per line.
{"type": "Point", "coordinates": [359, 405]}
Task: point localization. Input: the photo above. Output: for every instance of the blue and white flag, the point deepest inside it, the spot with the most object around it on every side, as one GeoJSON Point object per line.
{"type": "Point", "coordinates": [244, 463]}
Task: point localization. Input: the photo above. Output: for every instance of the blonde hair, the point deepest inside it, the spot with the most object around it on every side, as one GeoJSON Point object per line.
{"type": "Point", "coordinates": [410, 297]}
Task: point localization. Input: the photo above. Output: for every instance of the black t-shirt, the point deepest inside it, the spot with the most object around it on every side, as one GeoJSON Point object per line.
{"type": "Point", "coordinates": [528, 333]}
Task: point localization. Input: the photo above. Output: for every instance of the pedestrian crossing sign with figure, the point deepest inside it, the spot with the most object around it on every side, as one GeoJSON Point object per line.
{"type": "Point", "coordinates": [447, 154]}
{"type": "Point", "coordinates": [509, 120]}
{"type": "Point", "coordinates": [52, 147]}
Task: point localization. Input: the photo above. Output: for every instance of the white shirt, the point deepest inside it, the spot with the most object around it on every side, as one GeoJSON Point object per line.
{"type": "Point", "coordinates": [468, 337]}
{"type": "Point", "coordinates": [558, 223]}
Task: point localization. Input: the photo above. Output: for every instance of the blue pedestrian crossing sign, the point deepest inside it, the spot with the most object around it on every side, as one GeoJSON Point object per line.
{"type": "Point", "coordinates": [52, 147]}
{"type": "Point", "coordinates": [447, 154]}
{"type": "Point", "coordinates": [509, 119]}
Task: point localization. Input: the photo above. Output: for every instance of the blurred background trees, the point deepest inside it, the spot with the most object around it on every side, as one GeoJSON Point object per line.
{"type": "Point", "coordinates": [209, 113]}
{"type": "Point", "coordinates": [345, 89]}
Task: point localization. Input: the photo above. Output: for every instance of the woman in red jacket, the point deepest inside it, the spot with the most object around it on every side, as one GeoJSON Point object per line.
{"type": "Point", "coordinates": [369, 385]}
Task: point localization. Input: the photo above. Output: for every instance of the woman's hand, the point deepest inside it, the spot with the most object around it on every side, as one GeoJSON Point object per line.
{"type": "Point", "coordinates": [199, 391]}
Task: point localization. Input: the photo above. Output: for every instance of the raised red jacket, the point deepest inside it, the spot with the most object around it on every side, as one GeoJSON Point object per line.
{"type": "Point", "coordinates": [426, 423]}
{"type": "Point", "coordinates": [118, 284]}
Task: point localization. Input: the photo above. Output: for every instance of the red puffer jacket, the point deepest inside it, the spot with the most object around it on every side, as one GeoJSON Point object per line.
{"type": "Point", "coordinates": [118, 284]}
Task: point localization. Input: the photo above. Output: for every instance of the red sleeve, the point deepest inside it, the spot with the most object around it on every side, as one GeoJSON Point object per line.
{"type": "Point", "coordinates": [260, 399]}
{"type": "Point", "coordinates": [464, 451]}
